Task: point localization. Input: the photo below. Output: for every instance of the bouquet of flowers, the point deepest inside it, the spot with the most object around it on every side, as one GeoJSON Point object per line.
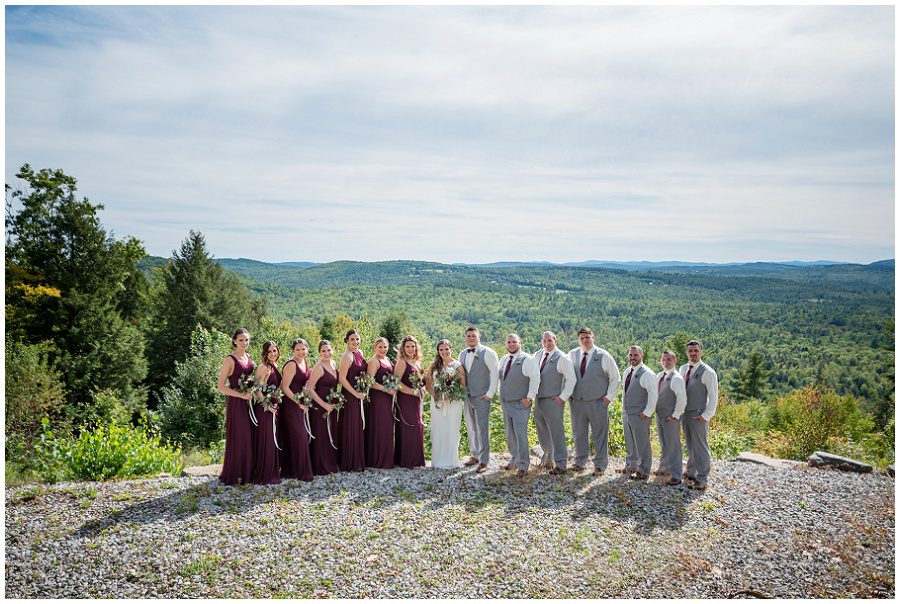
{"type": "Point", "coordinates": [335, 398]}
{"type": "Point", "coordinates": [364, 383]}
{"type": "Point", "coordinates": [246, 382]}
{"type": "Point", "coordinates": [417, 381]}
{"type": "Point", "coordinates": [271, 397]}
{"type": "Point", "coordinates": [305, 398]}
{"type": "Point", "coordinates": [390, 381]}
{"type": "Point", "coordinates": [448, 386]}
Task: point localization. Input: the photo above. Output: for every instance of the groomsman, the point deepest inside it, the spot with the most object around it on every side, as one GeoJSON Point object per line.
{"type": "Point", "coordinates": [638, 402]}
{"type": "Point", "coordinates": [669, 408]}
{"type": "Point", "coordinates": [519, 381]}
{"type": "Point", "coordinates": [702, 386]}
{"type": "Point", "coordinates": [597, 382]}
{"type": "Point", "coordinates": [481, 365]}
{"type": "Point", "coordinates": [557, 380]}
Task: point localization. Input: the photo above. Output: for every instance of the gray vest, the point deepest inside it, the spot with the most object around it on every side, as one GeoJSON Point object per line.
{"type": "Point", "coordinates": [478, 378]}
{"type": "Point", "coordinates": [514, 387]}
{"type": "Point", "coordinates": [665, 404]}
{"type": "Point", "coordinates": [595, 382]}
{"type": "Point", "coordinates": [696, 391]}
{"type": "Point", "coordinates": [551, 378]}
{"type": "Point", "coordinates": [634, 400]}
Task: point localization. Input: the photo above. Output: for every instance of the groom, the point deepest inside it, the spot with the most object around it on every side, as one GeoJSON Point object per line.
{"type": "Point", "coordinates": [482, 375]}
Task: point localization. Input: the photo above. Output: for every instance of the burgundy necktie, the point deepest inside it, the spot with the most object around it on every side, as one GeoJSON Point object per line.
{"type": "Point", "coordinates": [508, 366]}
{"type": "Point", "coordinates": [688, 377]}
{"type": "Point", "coordinates": [628, 381]}
{"type": "Point", "coordinates": [544, 362]}
{"type": "Point", "coordinates": [583, 362]}
{"type": "Point", "coordinates": [661, 380]}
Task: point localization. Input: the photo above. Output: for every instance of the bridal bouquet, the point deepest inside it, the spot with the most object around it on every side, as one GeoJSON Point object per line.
{"type": "Point", "coordinates": [364, 383]}
{"type": "Point", "coordinates": [271, 397]}
{"type": "Point", "coordinates": [335, 398]}
{"type": "Point", "coordinates": [448, 386]}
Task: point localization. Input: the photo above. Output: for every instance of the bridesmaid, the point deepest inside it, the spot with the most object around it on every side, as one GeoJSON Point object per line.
{"type": "Point", "coordinates": [380, 416]}
{"type": "Point", "coordinates": [239, 433]}
{"type": "Point", "coordinates": [410, 442]}
{"type": "Point", "coordinates": [292, 434]}
{"type": "Point", "coordinates": [322, 379]}
{"type": "Point", "coordinates": [266, 462]}
{"type": "Point", "coordinates": [352, 452]}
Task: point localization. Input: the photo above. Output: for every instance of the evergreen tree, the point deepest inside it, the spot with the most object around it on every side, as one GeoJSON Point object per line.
{"type": "Point", "coordinates": [77, 287]}
{"type": "Point", "coordinates": [751, 380]}
{"type": "Point", "coordinates": [192, 289]}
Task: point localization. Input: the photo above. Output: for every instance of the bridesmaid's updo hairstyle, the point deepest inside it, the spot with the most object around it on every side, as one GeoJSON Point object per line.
{"type": "Point", "coordinates": [401, 352]}
{"type": "Point", "coordinates": [350, 333]}
{"type": "Point", "coordinates": [438, 363]}
{"type": "Point", "coordinates": [323, 344]}
{"type": "Point", "coordinates": [299, 341]}
{"type": "Point", "coordinates": [267, 348]}
{"type": "Point", "coordinates": [238, 332]}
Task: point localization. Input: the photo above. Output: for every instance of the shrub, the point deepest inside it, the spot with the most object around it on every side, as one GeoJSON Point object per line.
{"type": "Point", "coordinates": [33, 390]}
{"type": "Point", "coordinates": [117, 450]}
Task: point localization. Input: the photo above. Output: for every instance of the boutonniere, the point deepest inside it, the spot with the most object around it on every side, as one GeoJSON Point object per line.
{"type": "Point", "coordinates": [518, 361]}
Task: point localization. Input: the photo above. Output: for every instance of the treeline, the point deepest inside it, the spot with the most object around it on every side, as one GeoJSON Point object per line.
{"type": "Point", "coordinates": [99, 334]}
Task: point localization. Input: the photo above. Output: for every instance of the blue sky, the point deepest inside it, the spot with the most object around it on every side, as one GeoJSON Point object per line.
{"type": "Point", "coordinates": [468, 134]}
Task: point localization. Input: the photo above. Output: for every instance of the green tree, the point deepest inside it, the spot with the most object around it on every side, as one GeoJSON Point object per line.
{"type": "Point", "coordinates": [192, 289]}
{"type": "Point", "coordinates": [395, 327]}
{"type": "Point", "coordinates": [77, 287]}
{"type": "Point", "coordinates": [751, 380]}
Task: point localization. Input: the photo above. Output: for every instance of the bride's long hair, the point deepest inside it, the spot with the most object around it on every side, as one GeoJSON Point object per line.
{"type": "Point", "coordinates": [438, 363]}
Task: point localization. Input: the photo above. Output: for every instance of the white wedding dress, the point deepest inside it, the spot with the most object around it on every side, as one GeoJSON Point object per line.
{"type": "Point", "coordinates": [445, 424]}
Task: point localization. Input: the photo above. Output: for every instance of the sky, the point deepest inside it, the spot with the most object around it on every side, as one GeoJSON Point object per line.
{"type": "Point", "coordinates": [467, 134]}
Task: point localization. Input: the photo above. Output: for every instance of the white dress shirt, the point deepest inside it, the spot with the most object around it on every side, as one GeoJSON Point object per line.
{"type": "Point", "coordinates": [490, 359]}
{"type": "Point", "coordinates": [648, 383]}
{"type": "Point", "coordinates": [607, 363]}
{"type": "Point", "coordinates": [529, 370]}
{"type": "Point", "coordinates": [676, 383]}
{"type": "Point", "coordinates": [563, 365]}
{"type": "Point", "coordinates": [711, 381]}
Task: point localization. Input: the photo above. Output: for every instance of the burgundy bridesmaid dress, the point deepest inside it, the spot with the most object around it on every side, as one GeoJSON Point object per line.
{"type": "Point", "coordinates": [380, 423]}
{"type": "Point", "coordinates": [352, 454]}
{"type": "Point", "coordinates": [240, 435]}
{"type": "Point", "coordinates": [266, 462]}
{"type": "Point", "coordinates": [292, 435]}
{"type": "Point", "coordinates": [322, 455]}
{"type": "Point", "coordinates": [409, 450]}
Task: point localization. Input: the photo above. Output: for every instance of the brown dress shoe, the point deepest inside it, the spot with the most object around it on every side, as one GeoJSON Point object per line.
{"type": "Point", "coordinates": [481, 468]}
{"type": "Point", "coordinates": [689, 477]}
{"type": "Point", "coordinates": [577, 468]}
{"type": "Point", "coordinates": [699, 486]}
{"type": "Point", "coordinates": [673, 482]}
{"type": "Point", "coordinates": [471, 461]}
{"type": "Point", "coordinates": [520, 473]}
{"type": "Point", "coordinates": [598, 472]}
{"type": "Point", "coordinates": [625, 470]}
{"type": "Point", "coordinates": [556, 471]}
{"type": "Point", "coordinates": [660, 473]}
{"type": "Point", "coordinates": [638, 476]}
{"type": "Point", "coordinates": [509, 466]}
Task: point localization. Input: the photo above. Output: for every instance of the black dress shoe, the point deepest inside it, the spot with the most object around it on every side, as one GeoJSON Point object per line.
{"type": "Point", "coordinates": [577, 468]}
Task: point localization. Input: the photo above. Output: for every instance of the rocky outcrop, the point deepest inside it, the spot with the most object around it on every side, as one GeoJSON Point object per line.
{"type": "Point", "coordinates": [821, 459]}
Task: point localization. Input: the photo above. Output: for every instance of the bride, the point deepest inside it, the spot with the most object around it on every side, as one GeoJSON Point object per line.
{"type": "Point", "coordinates": [446, 383]}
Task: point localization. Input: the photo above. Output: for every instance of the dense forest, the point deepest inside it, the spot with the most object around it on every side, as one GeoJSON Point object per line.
{"type": "Point", "coordinates": [99, 335]}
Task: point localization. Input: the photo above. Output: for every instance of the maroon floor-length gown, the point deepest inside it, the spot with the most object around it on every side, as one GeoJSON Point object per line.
{"type": "Point", "coordinates": [352, 453]}
{"type": "Point", "coordinates": [240, 434]}
{"type": "Point", "coordinates": [409, 450]}
{"type": "Point", "coordinates": [322, 455]}
{"type": "Point", "coordinates": [267, 461]}
{"type": "Point", "coordinates": [292, 435]}
{"type": "Point", "coordinates": [380, 423]}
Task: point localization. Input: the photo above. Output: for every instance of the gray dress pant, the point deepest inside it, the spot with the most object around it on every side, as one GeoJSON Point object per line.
{"type": "Point", "coordinates": [639, 454]}
{"type": "Point", "coordinates": [593, 415]}
{"type": "Point", "coordinates": [670, 443]}
{"type": "Point", "coordinates": [515, 420]}
{"type": "Point", "coordinates": [481, 426]}
{"type": "Point", "coordinates": [696, 439]}
{"type": "Point", "coordinates": [471, 432]}
{"type": "Point", "coordinates": [548, 418]}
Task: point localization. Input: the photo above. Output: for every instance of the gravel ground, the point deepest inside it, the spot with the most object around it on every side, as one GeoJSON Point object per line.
{"type": "Point", "coordinates": [454, 534]}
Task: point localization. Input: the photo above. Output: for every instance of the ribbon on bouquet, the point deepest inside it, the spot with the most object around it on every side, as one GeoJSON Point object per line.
{"type": "Point", "coordinates": [274, 432]}
{"type": "Point", "coordinates": [397, 406]}
{"type": "Point", "coordinates": [362, 414]}
{"type": "Point", "coordinates": [252, 414]}
{"type": "Point", "coordinates": [308, 426]}
{"type": "Point", "coordinates": [328, 425]}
